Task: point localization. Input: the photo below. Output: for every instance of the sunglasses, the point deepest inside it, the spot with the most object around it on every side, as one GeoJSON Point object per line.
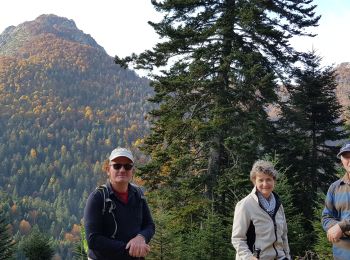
{"type": "Point", "coordinates": [118, 166]}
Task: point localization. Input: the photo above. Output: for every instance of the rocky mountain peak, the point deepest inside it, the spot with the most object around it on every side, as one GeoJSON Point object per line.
{"type": "Point", "coordinates": [15, 37]}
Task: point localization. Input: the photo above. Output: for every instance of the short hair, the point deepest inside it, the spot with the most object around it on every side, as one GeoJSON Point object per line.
{"type": "Point", "coordinates": [262, 166]}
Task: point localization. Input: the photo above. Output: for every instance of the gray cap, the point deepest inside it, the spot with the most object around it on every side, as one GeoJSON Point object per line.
{"type": "Point", "coordinates": [343, 149]}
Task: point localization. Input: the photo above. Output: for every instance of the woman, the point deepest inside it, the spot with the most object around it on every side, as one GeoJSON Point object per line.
{"type": "Point", "coordinates": [259, 226]}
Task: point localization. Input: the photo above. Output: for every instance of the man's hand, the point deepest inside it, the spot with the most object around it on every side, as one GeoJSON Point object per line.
{"type": "Point", "coordinates": [334, 233]}
{"type": "Point", "coordinates": [138, 247]}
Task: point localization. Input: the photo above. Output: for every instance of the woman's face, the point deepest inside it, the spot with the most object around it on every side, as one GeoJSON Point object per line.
{"type": "Point", "coordinates": [264, 183]}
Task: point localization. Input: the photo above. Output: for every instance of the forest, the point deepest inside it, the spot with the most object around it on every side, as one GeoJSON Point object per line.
{"type": "Point", "coordinates": [225, 89]}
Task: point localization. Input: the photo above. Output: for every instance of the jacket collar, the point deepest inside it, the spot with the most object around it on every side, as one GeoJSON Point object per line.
{"type": "Point", "coordinates": [131, 189]}
{"type": "Point", "coordinates": [253, 193]}
{"type": "Point", "coordinates": [255, 196]}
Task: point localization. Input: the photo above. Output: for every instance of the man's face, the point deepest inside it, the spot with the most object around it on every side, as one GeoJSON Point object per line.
{"type": "Point", "coordinates": [121, 175]}
{"type": "Point", "coordinates": [345, 159]}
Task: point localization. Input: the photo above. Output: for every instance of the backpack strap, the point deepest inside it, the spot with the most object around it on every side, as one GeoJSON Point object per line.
{"type": "Point", "coordinates": [103, 190]}
{"type": "Point", "coordinates": [106, 199]}
{"type": "Point", "coordinates": [105, 195]}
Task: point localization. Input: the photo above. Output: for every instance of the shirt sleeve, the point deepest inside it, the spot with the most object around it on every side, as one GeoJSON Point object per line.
{"type": "Point", "coordinates": [93, 222]}
{"type": "Point", "coordinates": [148, 227]}
{"type": "Point", "coordinates": [329, 213]}
{"type": "Point", "coordinates": [345, 226]}
{"type": "Point", "coordinates": [241, 222]}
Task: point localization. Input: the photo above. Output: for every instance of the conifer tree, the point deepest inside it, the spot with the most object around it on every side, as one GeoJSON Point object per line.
{"type": "Point", "coordinates": [6, 242]}
{"type": "Point", "coordinates": [309, 128]}
{"type": "Point", "coordinates": [37, 246]}
{"type": "Point", "coordinates": [322, 247]}
{"type": "Point", "coordinates": [163, 243]}
{"type": "Point", "coordinates": [218, 63]}
{"type": "Point", "coordinates": [296, 236]}
{"type": "Point", "coordinates": [81, 247]}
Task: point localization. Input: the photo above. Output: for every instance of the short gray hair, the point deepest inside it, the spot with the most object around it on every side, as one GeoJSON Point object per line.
{"type": "Point", "coordinates": [262, 166]}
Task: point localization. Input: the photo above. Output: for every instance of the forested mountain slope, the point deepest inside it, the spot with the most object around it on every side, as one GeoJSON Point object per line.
{"type": "Point", "coordinates": [64, 105]}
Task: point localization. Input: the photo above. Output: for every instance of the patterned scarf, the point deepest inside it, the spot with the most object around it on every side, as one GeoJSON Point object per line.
{"type": "Point", "coordinates": [268, 204]}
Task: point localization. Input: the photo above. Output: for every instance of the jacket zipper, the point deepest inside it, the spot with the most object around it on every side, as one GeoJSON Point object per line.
{"type": "Point", "coordinates": [274, 225]}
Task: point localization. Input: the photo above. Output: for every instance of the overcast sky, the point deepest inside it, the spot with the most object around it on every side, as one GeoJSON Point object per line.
{"type": "Point", "coordinates": [120, 26]}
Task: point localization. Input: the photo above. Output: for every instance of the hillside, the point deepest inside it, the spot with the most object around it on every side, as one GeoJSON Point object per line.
{"type": "Point", "coordinates": [342, 72]}
{"type": "Point", "coordinates": [64, 105]}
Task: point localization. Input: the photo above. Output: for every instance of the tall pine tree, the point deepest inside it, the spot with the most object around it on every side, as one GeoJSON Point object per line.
{"type": "Point", "coordinates": [310, 127]}
{"type": "Point", "coordinates": [218, 64]}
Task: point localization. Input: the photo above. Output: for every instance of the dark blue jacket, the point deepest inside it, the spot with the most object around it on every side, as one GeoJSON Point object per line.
{"type": "Point", "coordinates": [108, 233]}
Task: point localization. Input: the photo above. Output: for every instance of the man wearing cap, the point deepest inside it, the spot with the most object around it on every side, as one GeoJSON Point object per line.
{"type": "Point", "coordinates": [336, 213]}
{"type": "Point", "coordinates": [118, 222]}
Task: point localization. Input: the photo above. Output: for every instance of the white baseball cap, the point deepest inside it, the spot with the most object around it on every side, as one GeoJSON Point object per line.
{"type": "Point", "coordinates": [121, 152]}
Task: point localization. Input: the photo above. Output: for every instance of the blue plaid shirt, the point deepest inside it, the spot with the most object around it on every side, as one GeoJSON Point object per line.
{"type": "Point", "coordinates": [337, 211]}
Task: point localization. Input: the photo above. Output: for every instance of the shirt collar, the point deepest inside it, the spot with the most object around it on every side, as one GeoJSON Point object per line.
{"type": "Point", "coordinates": [346, 179]}
{"type": "Point", "coordinates": [110, 189]}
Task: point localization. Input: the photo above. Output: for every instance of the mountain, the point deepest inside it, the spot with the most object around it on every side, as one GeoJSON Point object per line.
{"type": "Point", "coordinates": [17, 40]}
{"type": "Point", "coordinates": [64, 105]}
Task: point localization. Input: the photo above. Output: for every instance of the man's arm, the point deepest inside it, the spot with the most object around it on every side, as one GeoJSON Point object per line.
{"type": "Point", "coordinates": [329, 218]}
{"type": "Point", "coordinates": [93, 222]}
{"type": "Point", "coordinates": [148, 227]}
{"type": "Point", "coordinates": [138, 246]}
{"type": "Point", "coordinates": [330, 221]}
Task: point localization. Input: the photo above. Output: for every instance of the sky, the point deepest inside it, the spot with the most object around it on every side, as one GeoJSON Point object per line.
{"type": "Point", "coordinates": [121, 28]}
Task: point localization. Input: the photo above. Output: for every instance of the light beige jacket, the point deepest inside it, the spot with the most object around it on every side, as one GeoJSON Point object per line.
{"type": "Point", "coordinates": [271, 234]}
